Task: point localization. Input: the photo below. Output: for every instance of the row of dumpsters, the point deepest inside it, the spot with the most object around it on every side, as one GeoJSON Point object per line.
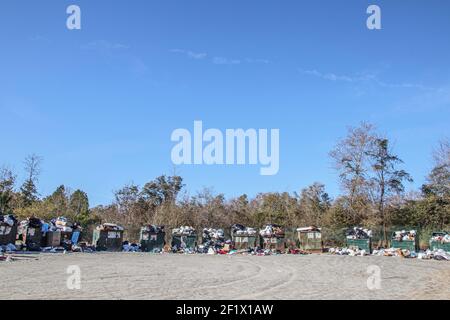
{"type": "Point", "coordinates": [110, 237]}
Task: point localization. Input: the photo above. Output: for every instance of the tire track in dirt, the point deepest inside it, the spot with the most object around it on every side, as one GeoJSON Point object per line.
{"type": "Point", "coordinates": [196, 291]}
{"type": "Point", "coordinates": [270, 289]}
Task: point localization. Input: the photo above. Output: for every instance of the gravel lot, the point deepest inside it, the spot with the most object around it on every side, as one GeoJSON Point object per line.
{"type": "Point", "coordinates": [147, 276]}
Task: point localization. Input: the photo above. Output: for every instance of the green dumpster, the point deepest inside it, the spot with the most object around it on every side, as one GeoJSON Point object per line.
{"type": "Point", "coordinates": [360, 244]}
{"type": "Point", "coordinates": [310, 239]}
{"type": "Point", "coordinates": [405, 240]}
{"type": "Point", "coordinates": [273, 243]}
{"type": "Point", "coordinates": [437, 241]}
{"type": "Point", "coordinates": [152, 240]}
{"type": "Point", "coordinates": [243, 241]}
{"type": "Point", "coordinates": [108, 238]}
{"type": "Point", "coordinates": [184, 241]}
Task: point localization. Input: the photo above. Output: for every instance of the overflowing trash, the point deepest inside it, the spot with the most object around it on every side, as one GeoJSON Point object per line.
{"type": "Point", "coordinates": [441, 237]}
{"type": "Point", "coordinates": [213, 234]}
{"type": "Point", "coordinates": [152, 238]}
{"type": "Point", "coordinates": [272, 238]}
{"type": "Point", "coordinates": [31, 232]}
{"type": "Point", "coordinates": [272, 230]}
{"type": "Point", "coordinates": [8, 229]}
{"type": "Point", "coordinates": [109, 227]}
{"type": "Point", "coordinates": [183, 231]}
{"type": "Point", "coordinates": [358, 234]}
{"type": "Point", "coordinates": [405, 235]}
{"type": "Point", "coordinates": [213, 241]}
{"type": "Point", "coordinates": [240, 230]}
{"type": "Point", "coordinates": [244, 238]}
{"type": "Point", "coordinates": [151, 228]}
{"type": "Point", "coordinates": [108, 237]}
{"type": "Point", "coordinates": [184, 240]}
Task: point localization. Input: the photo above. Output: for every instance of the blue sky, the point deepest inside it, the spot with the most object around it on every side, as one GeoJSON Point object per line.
{"type": "Point", "coordinates": [99, 104]}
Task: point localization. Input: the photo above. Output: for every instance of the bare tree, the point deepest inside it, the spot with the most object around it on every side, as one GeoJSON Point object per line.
{"type": "Point", "coordinates": [351, 160]}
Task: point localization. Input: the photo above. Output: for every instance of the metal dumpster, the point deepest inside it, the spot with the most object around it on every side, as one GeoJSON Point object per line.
{"type": "Point", "coordinates": [360, 244]}
{"type": "Point", "coordinates": [243, 241]}
{"type": "Point", "coordinates": [53, 239]}
{"type": "Point", "coordinates": [310, 239]}
{"type": "Point", "coordinates": [108, 240]}
{"type": "Point", "coordinates": [32, 237]}
{"type": "Point", "coordinates": [273, 243]}
{"type": "Point", "coordinates": [439, 244]}
{"type": "Point", "coordinates": [411, 245]}
{"type": "Point", "coordinates": [152, 240]}
{"type": "Point", "coordinates": [8, 233]}
{"type": "Point", "coordinates": [184, 241]}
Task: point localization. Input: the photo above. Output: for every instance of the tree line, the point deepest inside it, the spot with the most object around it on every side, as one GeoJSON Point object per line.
{"type": "Point", "coordinates": [371, 176]}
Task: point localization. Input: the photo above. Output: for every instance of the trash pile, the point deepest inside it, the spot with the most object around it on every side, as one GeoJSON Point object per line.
{"type": "Point", "coordinates": [62, 224]}
{"type": "Point", "coordinates": [7, 228]}
{"type": "Point", "coordinates": [130, 247]}
{"type": "Point", "coordinates": [32, 222]}
{"type": "Point", "coordinates": [7, 221]}
{"type": "Point", "coordinates": [441, 237]}
{"type": "Point", "coordinates": [184, 240]}
{"type": "Point", "coordinates": [358, 234]}
{"type": "Point", "coordinates": [183, 231]}
{"type": "Point", "coordinates": [404, 235]}
{"type": "Point", "coordinates": [423, 255]}
{"type": "Point", "coordinates": [213, 241]}
{"type": "Point", "coordinates": [439, 254]}
{"type": "Point", "coordinates": [8, 248]}
{"type": "Point", "coordinates": [392, 252]}
{"type": "Point", "coordinates": [30, 231]}
{"type": "Point", "coordinates": [213, 234]}
{"type": "Point", "coordinates": [240, 230]}
{"type": "Point", "coordinates": [272, 230]}
{"type": "Point", "coordinates": [83, 247]}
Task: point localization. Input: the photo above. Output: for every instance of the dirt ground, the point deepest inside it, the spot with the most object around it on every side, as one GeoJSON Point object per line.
{"type": "Point", "coordinates": [148, 276]}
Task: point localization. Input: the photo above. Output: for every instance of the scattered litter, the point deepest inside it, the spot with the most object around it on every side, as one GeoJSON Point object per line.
{"type": "Point", "coordinates": [353, 252]}
{"type": "Point", "coordinates": [8, 248]}
{"type": "Point", "coordinates": [130, 247]}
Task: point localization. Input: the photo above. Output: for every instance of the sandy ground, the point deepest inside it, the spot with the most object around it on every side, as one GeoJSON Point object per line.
{"type": "Point", "coordinates": [148, 276]}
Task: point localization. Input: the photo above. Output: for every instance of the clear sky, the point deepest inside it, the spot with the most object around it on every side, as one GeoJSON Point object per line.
{"type": "Point", "coordinates": [99, 104]}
